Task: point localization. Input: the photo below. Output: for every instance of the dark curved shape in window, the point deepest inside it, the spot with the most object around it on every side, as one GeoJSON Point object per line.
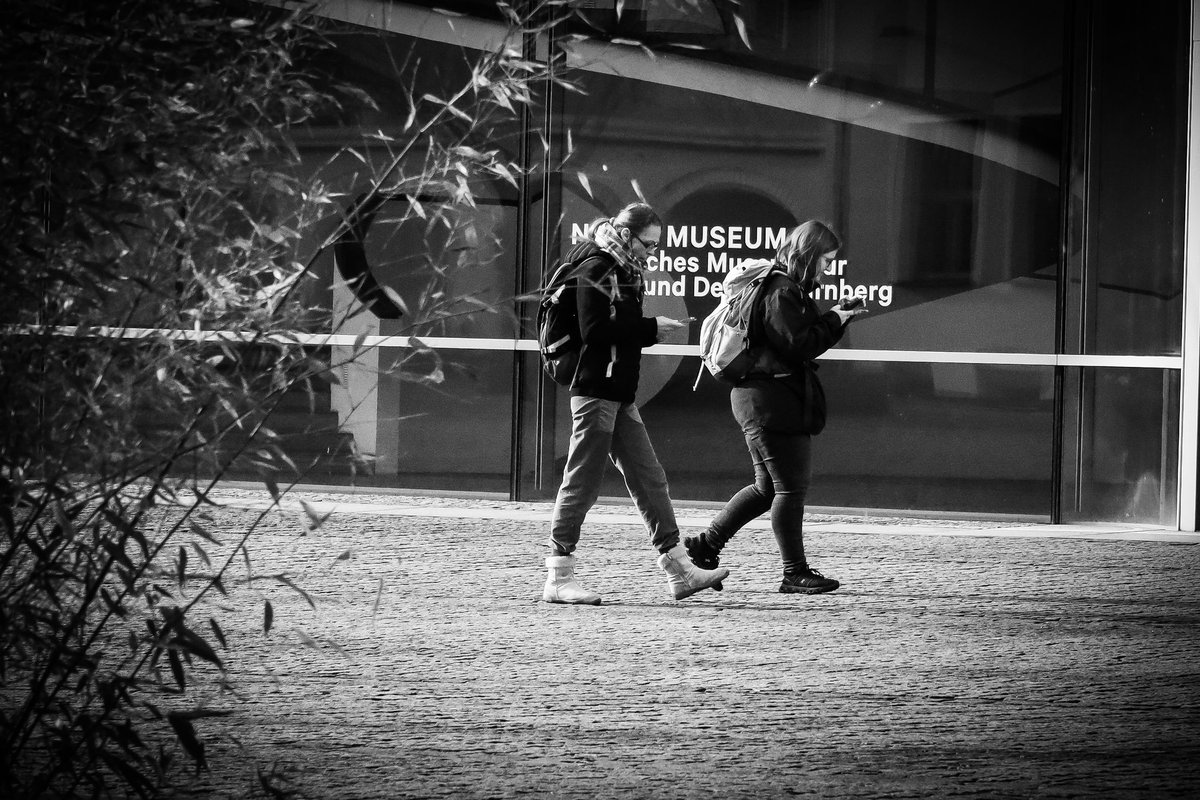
{"type": "Point", "coordinates": [350, 256]}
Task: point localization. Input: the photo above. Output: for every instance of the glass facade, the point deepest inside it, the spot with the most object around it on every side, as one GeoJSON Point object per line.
{"type": "Point", "coordinates": [1123, 261]}
{"type": "Point", "coordinates": [975, 158]}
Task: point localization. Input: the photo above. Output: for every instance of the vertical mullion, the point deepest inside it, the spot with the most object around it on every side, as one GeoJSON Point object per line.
{"type": "Point", "coordinates": [1071, 305]}
{"type": "Point", "coordinates": [520, 287]}
{"type": "Point", "coordinates": [544, 438]}
{"type": "Point", "coordinates": [1189, 405]}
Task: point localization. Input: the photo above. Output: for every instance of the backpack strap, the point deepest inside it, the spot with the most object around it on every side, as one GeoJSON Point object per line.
{"type": "Point", "coordinates": [755, 324]}
{"type": "Point", "coordinates": [609, 274]}
{"type": "Point", "coordinates": [565, 278]}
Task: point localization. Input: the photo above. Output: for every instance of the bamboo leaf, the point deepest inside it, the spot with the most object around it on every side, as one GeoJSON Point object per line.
{"type": "Point", "coordinates": [181, 567]}
{"type": "Point", "coordinates": [127, 529]}
{"type": "Point", "coordinates": [191, 642]}
{"type": "Point", "coordinates": [315, 518]}
{"type": "Point", "coordinates": [129, 773]}
{"type": "Point", "coordinates": [285, 458]}
{"type": "Point", "coordinates": [741, 29]}
{"type": "Point", "coordinates": [186, 733]}
{"type": "Point", "coordinates": [268, 616]}
{"type": "Point", "coordinates": [285, 580]}
{"type": "Point", "coordinates": [500, 94]}
{"type": "Point", "coordinates": [469, 152]}
{"type": "Point", "coordinates": [357, 348]}
{"type": "Point", "coordinates": [412, 115]}
{"type": "Point", "coordinates": [378, 597]}
{"type": "Point", "coordinates": [177, 670]}
{"type": "Point", "coordinates": [395, 297]}
{"type": "Point", "coordinates": [464, 116]}
{"type": "Point", "coordinates": [637, 189]}
{"type": "Point", "coordinates": [307, 640]}
{"type": "Point", "coordinates": [204, 559]}
{"type": "Point", "coordinates": [217, 632]}
{"type": "Point", "coordinates": [504, 172]}
{"type": "Point", "coordinates": [113, 603]}
{"type": "Point", "coordinates": [246, 559]}
{"type": "Point", "coordinates": [203, 533]}
{"type": "Point", "coordinates": [117, 552]}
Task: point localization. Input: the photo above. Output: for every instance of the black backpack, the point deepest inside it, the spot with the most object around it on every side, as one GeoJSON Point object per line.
{"type": "Point", "coordinates": [559, 339]}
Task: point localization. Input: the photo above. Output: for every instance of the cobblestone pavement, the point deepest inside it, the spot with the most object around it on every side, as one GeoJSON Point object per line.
{"type": "Point", "coordinates": [957, 660]}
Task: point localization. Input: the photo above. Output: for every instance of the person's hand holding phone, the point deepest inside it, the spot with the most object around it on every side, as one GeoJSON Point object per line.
{"type": "Point", "coordinates": [668, 325]}
{"type": "Point", "coordinates": [849, 309]}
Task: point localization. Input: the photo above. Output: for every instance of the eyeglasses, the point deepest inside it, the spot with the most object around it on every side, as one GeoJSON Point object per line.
{"type": "Point", "coordinates": [650, 246]}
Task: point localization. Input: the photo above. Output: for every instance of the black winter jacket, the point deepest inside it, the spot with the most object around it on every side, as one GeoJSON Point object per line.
{"type": "Point", "coordinates": [782, 393]}
{"type": "Point", "coordinates": [609, 303]}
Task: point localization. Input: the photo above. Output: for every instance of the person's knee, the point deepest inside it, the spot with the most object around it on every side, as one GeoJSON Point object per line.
{"type": "Point", "coordinates": [791, 494]}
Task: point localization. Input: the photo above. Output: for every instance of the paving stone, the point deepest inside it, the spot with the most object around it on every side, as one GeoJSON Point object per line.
{"type": "Point", "coordinates": [947, 666]}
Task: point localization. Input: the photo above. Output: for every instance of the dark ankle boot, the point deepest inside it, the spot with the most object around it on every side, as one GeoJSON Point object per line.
{"type": "Point", "coordinates": [703, 555]}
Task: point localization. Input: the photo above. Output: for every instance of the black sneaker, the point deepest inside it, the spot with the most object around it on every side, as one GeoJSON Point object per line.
{"type": "Point", "coordinates": [702, 556]}
{"type": "Point", "coordinates": [808, 582]}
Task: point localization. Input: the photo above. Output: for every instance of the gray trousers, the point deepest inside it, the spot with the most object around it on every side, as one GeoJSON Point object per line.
{"type": "Point", "coordinates": [600, 428]}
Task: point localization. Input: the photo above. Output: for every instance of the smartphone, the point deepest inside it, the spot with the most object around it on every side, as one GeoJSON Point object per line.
{"type": "Point", "coordinates": [853, 302]}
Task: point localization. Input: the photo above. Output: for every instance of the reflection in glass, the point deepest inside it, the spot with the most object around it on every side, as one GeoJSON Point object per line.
{"type": "Point", "coordinates": [427, 419]}
{"type": "Point", "coordinates": [454, 434]}
{"type": "Point", "coordinates": [932, 437]}
{"type": "Point", "coordinates": [929, 136]}
{"type": "Point", "coordinates": [1120, 441]}
{"type": "Point", "coordinates": [450, 266]}
{"type": "Point", "coordinates": [1130, 268]}
{"type": "Point", "coordinates": [935, 160]}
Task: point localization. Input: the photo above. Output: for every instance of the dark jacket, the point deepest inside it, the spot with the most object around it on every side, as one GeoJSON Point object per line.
{"type": "Point", "coordinates": [782, 393]}
{"type": "Point", "coordinates": [609, 303]}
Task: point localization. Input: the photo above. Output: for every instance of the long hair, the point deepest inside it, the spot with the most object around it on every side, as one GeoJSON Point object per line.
{"type": "Point", "coordinates": [802, 249]}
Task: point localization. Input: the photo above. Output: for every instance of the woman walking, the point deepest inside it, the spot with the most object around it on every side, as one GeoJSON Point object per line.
{"type": "Point", "coordinates": [780, 406]}
{"type": "Point", "coordinates": [604, 418]}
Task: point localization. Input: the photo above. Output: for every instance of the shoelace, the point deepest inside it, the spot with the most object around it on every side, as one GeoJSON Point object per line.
{"type": "Point", "coordinates": [809, 572]}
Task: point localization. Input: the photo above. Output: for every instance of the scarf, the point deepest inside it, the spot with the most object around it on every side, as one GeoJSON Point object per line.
{"type": "Point", "coordinates": [609, 240]}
